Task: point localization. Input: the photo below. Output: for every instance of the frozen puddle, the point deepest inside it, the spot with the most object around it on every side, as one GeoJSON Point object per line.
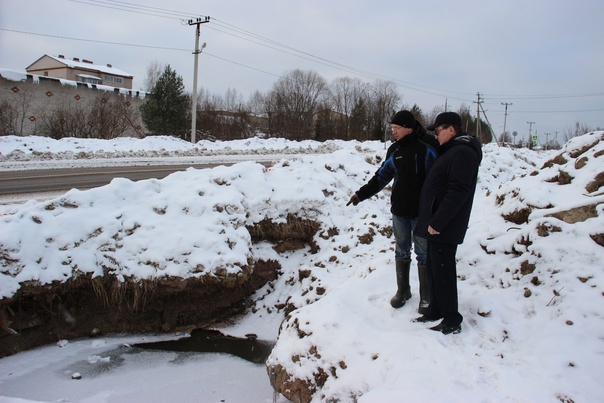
{"type": "Point", "coordinates": [205, 367]}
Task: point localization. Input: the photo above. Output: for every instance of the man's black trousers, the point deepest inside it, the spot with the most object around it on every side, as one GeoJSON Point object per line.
{"type": "Point", "coordinates": [443, 269]}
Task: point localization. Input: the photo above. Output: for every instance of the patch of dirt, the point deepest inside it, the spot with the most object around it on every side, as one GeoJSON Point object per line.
{"type": "Point", "coordinates": [293, 234]}
{"type": "Point", "coordinates": [544, 230]}
{"type": "Point", "coordinates": [577, 153]}
{"type": "Point", "coordinates": [563, 178]}
{"type": "Point", "coordinates": [527, 268]}
{"type": "Point", "coordinates": [557, 160]}
{"type": "Point", "coordinates": [85, 306]}
{"type": "Point", "coordinates": [519, 216]}
{"type": "Point", "coordinates": [294, 389]}
{"type": "Point", "coordinates": [596, 184]}
{"type": "Point", "coordinates": [598, 238]}
{"type": "Point", "coordinates": [578, 214]}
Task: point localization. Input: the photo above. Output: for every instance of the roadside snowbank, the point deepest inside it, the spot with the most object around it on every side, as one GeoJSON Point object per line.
{"type": "Point", "coordinates": [530, 290]}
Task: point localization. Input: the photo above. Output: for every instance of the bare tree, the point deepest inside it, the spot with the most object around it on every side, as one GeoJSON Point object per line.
{"type": "Point", "coordinates": [14, 113]}
{"type": "Point", "coordinates": [296, 98]}
{"type": "Point", "coordinates": [66, 118]}
{"type": "Point", "coordinates": [383, 100]}
{"type": "Point", "coordinates": [109, 117]}
{"type": "Point", "coordinates": [578, 130]}
{"type": "Point", "coordinates": [505, 137]}
{"type": "Point", "coordinates": [8, 119]}
{"type": "Point", "coordinates": [154, 71]}
{"type": "Point", "coordinates": [345, 97]}
{"type": "Point", "coordinates": [255, 104]}
{"type": "Point", "coordinates": [233, 101]}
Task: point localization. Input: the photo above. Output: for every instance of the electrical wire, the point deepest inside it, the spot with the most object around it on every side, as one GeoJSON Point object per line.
{"type": "Point", "coordinates": [249, 36]}
{"type": "Point", "coordinates": [139, 46]}
{"type": "Point", "coordinates": [95, 41]}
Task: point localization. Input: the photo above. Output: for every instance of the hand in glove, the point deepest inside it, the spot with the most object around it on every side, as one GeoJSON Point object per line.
{"type": "Point", "coordinates": [354, 200]}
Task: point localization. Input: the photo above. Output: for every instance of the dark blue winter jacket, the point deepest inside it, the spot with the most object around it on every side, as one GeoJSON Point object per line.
{"type": "Point", "coordinates": [448, 192]}
{"type": "Point", "coordinates": [407, 162]}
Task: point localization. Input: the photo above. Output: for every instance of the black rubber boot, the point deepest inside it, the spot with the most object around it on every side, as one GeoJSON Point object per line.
{"type": "Point", "coordinates": [403, 292]}
{"type": "Point", "coordinates": [425, 288]}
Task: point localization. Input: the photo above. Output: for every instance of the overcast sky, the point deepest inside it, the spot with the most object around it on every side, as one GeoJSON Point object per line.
{"type": "Point", "coordinates": [544, 57]}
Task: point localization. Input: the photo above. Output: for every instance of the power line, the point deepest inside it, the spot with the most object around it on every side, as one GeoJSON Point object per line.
{"type": "Point", "coordinates": [249, 36]}
{"type": "Point", "coordinates": [548, 96]}
{"type": "Point", "coordinates": [330, 63]}
{"type": "Point", "coordinates": [139, 46]}
{"type": "Point", "coordinates": [135, 8]}
{"type": "Point", "coordinates": [95, 41]}
{"type": "Point", "coordinates": [160, 12]}
{"type": "Point", "coordinates": [575, 111]}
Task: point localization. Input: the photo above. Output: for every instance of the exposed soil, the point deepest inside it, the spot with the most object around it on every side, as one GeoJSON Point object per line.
{"type": "Point", "coordinates": [82, 306]}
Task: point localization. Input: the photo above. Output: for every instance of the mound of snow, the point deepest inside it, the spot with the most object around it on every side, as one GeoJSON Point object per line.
{"type": "Point", "coordinates": [189, 224]}
{"type": "Point", "coordinates": [531, 294]}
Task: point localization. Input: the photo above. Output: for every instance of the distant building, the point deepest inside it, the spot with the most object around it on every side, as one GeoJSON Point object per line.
{"type": "Point", "coordinates": [78, 70]}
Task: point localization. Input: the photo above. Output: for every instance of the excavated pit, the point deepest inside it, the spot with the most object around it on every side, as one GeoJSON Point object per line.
{"type": "Point", "coordinates": [87, 307]}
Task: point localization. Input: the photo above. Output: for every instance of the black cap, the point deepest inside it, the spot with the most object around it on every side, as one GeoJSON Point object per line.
{"type": "Point", "coordinates": [445, 118]}
{"type": "Point", "coordinates": [404, 119]}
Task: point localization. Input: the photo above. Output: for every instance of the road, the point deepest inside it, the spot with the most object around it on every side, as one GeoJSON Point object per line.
{"type": "Point", "coordinates": [48, 180]}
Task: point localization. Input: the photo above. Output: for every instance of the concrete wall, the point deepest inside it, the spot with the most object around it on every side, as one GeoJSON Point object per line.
{"type": "Point", "coordinates": [29, 102]}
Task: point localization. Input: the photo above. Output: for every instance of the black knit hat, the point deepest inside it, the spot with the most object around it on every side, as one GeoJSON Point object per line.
{"type": "Point", "coordinates": [404, 119]}
{"type": "Point", "coordinates": [445, 118]}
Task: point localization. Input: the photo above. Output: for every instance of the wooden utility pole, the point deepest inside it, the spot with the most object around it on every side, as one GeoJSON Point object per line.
{"type": "Point", "coordinates": [478, 115]}
{"type": "Point", "coordinates": [197, 22]}
{"type": "Point", "coordinates": [505, 117]}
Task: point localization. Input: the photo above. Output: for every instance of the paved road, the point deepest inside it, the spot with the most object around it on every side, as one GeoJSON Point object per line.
{"type": "Point", "coordinates": [46, 180]}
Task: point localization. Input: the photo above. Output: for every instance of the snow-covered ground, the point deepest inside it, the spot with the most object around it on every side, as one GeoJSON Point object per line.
{"type": "Point", "coordinates": [527, 336]}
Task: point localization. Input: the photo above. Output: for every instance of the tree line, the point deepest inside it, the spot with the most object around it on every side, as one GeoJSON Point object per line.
{"type": "Point", "coordinates": [301, 105]}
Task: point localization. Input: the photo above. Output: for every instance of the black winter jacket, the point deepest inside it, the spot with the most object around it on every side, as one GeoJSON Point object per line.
{"type": "Point", "coordinates": [448, 193]}
{"type": "Point", "coordinates": [407, 161]}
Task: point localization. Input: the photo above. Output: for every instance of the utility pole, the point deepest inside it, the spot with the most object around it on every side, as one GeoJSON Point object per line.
{"type": "Point", "coordinates": [505, 115]}
{"type": "Point", "coordinates": [546, 139]}
{"type": "Point", "coordinates": [197, 22]}
{"type": "Point", "coordinates": [493, 137]}
{"type": "Point", "coordinates": [478, 115]}
{"type": "Point", "coordinates": [530, 140]}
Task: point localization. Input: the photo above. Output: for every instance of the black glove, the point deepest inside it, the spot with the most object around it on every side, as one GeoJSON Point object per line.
{"type": "Point", "coordinates": [354, 200]}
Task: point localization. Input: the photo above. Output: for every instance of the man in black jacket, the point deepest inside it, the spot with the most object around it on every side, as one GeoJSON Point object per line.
{"type": "Point", "coordinates": [407, 161]}
{"type": "Point", "coordinates": [445, 206]}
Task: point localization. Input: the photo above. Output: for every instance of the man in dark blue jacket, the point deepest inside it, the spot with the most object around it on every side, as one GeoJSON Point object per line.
{"type": "Point", "coordinates": [445, 206]}
{"type": "Point", "coordinates": [407, 161]}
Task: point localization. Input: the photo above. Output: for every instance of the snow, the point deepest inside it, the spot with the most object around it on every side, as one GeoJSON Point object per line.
{"type": "Point", "coordinates": [527, 336]}
{"type": "Point", "coordinates": [13, 75]}
{"type": "Point", "coordinates": [90, 66]}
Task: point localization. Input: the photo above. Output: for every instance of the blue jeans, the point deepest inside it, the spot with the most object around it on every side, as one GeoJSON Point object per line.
{"type": "Point", "coordinates": [403, 233]}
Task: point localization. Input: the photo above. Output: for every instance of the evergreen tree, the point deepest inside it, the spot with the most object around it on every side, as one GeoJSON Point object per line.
{"type": "Point", "coordinates": [166, 111]}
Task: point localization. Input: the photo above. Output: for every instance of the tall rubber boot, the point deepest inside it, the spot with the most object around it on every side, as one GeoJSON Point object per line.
{"type": "Point", "coordinates": [403, 292]}
{"type": "Point", "coordinates": [425, 288]}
